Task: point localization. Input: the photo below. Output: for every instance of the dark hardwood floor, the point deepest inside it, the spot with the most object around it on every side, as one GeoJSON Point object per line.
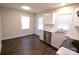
{"type": "Point", "coordinates": [27, 45]}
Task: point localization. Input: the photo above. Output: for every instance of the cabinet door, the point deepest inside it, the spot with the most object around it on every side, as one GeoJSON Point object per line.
{"type": "Point", "coordinates": [57, 39]}
{"type": "Point", "coordinates": [48, 18]}
{"type": "Point", "coordinates": [40, 33]}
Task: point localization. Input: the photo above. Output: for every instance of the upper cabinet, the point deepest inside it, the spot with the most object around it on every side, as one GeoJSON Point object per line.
{"type": "Point", "coordinates": [76, 17]}
{"type": "Point", "coordinates": [48, 18]}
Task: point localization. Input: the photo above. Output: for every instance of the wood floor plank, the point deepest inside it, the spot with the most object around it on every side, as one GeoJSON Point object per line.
{"type": "Point", "coordinates": [27, 45]}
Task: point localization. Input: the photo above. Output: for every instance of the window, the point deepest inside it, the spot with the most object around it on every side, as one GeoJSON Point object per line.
{"type": "Point", "coordinates": [40, 23]}
{"type": "Point", "coordinates": [25, 22]}
{"type": "Point", "coordinates": [64, 21]}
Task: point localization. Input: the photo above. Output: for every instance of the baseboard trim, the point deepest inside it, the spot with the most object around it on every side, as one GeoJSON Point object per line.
{"type": "Point", "coordinates": [19, 36]}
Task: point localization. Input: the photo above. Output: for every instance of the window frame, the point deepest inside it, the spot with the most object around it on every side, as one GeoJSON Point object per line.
{"type": "Point", "coordinates": [70, 21]}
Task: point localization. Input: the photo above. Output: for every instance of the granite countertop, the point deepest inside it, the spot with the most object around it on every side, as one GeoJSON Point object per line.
{"type": "Point", "coordinates": [66, 51]}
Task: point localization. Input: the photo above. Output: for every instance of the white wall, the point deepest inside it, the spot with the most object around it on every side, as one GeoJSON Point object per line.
{"type": "Point", "coordinates": [11, 22]}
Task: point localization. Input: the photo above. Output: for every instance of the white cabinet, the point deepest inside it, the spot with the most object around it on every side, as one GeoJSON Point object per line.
{"type": "Point", "coordinates": [48, 18]}
{"type": "Point", "coordinates": [40, 33]}
{"type": "Point", "coordinates": [57, 39]}
{"type": "Point", "coordinates": [49, 21]}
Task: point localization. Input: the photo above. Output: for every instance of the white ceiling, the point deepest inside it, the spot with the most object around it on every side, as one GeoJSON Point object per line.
{"type": "Point", "coordinates": [35, 7]}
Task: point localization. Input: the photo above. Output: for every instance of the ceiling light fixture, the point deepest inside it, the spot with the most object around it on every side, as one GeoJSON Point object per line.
{"type": "Point", "coordinates": [45, 14]}
{"type": "Point", "coordinates": [62, 4]}
{"type": "Point", "coordinates": [26, 7]}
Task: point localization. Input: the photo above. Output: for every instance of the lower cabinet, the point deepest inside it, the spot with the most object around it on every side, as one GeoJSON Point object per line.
{"type": "Point", "coordinates": [54, 39]}
{"type": "Point", "coordinates": [57, 39]}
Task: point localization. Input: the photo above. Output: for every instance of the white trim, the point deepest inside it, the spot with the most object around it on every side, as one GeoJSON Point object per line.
{"type": "Point", "coordinates": [5, 38]}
